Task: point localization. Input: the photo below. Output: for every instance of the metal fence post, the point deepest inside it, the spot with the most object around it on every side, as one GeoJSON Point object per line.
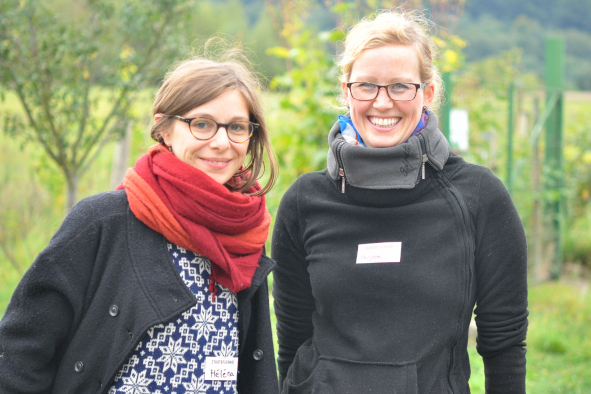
{"type": "Point", "coordinates": [554, 158]}
{"type": "Point", "coordinates": [510, 124]}
{"type": "Point", "coordinates": [446, 110]}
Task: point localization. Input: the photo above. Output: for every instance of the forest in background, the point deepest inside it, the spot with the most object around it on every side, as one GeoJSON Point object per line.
{"type": "Point", "coordinates": [489, 28]}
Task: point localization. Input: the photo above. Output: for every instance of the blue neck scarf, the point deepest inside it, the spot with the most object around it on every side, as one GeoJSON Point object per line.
{"type": "Point", "coordinates": [351, 135]}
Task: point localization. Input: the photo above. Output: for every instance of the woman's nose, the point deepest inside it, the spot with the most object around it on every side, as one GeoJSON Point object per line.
{"type": "Point", "coordinates": [383, 100]}
{"type": "Point", "coordinates": [220, 140]}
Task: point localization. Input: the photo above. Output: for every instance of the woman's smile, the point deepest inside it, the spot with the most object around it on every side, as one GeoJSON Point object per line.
{"type": "Point", "coordinates": [383, 123]}
{"type": "Point", "coordinates": [216, 163]}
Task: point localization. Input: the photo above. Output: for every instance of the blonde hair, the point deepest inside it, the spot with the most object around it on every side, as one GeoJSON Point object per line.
{"type": "Point", "coordinates": [197, 81]}
{"type": "Point", "coordinates": [394, 27]}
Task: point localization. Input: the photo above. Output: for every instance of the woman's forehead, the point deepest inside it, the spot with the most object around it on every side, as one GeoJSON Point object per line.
{"type": "Point", "coordinates": [387, 63]}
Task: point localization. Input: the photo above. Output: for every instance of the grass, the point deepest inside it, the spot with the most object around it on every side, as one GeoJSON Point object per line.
{"type": "Point", "coordinates": [558, 341]}
{"type": "Point", "coordinates": [560, 356]}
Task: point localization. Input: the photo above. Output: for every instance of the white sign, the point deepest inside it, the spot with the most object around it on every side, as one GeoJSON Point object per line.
{"type": "Point", "coordinates": [221, 368]}
{"type": "Point", "coordinates": [381, 252]}
{"type": "Point", "coordinates": [459, 128]}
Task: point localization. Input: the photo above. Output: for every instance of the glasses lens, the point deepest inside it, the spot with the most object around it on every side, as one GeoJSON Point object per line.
{"type": "Point", "coordinates": [364, 91]}
{"type": "Point", "coordinates": [240, 131]}
{"type": "Point", "coordinates": [203, 129]}
{"type": "Point", "coordinates": [402, 91]}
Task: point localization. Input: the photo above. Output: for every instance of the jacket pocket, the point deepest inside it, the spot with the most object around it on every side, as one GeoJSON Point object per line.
{"type": "Point", "coordinates": [338, 376]}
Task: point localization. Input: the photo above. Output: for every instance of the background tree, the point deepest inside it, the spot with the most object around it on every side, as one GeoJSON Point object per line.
{"type": "Point", "coordinates": [56, 66]}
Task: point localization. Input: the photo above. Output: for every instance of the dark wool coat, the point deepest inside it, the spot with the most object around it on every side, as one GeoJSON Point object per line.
{"type": "Point", "coordinates": [399, 326]}
{"type": "Point", "coordinates": [105, 279]}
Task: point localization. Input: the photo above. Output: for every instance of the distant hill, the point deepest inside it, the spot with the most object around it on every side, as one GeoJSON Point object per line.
{"type": "Point", "coordinates": [562, 14]}
{"type": "Point", "coordinates": [494, 26]}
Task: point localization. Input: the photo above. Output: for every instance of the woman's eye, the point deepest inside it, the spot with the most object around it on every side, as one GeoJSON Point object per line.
{"type": "Point", "coordinates": [400, 86]}
{"type": "Point", "coordinates": [367, 85]}
{"type": "Point", "coordinates": [201, 125]}
{"type": "Point", "coordinates": [237, 127]}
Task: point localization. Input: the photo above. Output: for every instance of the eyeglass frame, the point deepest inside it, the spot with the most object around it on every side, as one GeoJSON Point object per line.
{"type": "Point", "coordinates": [416, 85]}
{"type": "Point", "coordinates": [218, 125]}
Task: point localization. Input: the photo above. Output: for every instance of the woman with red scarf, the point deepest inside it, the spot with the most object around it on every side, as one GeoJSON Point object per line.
{"type": "Point", "coordinates": [160, 286]}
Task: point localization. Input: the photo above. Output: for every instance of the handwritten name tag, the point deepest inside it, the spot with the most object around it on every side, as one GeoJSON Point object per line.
{"type": "Point", "coordinates": [221, 368]}
{"type": "Point", "coordinates": [382, 252]}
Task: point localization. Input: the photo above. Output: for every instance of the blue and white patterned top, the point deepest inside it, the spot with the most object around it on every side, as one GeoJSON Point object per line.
{"type": "Point", "coordinates": [170, 359]}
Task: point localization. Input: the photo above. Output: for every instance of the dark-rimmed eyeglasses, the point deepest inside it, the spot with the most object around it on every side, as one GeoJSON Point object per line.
{"type": "Point", "coordinates": [366, 91]}
{"type": "Point", "coordinates": [204, 129]}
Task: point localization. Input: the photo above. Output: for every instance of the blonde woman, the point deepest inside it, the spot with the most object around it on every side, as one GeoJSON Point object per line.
{"type": "Point", "coordinates": [383, 255]}
{"type": "Point", "coordinates": [160, 287]}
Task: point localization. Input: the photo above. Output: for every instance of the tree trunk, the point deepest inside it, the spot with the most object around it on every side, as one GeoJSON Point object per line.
{"type": "Point", "coordinates": [72, 182]}
{"type": "Point", "coordinates": [121, 157]}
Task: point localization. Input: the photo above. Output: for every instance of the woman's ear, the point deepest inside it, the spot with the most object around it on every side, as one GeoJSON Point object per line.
{"type": "Point", "coordinates": [165, 135]}
{"type": "Point", "coordinates": [428, 94]}
{"type": "Point", "coordinates": [345, 93]}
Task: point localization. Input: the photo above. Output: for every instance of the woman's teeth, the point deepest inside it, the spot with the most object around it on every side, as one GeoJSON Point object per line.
{"type": "Point", "coordinates": [384, 122]}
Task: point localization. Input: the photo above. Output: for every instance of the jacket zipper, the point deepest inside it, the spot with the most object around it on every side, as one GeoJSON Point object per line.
{"type": "Point", "coordinates": [468, 251]}
{"type": "Point", "coordinates": [425, 158]}
{"type": "Point", "coordinates": [341, 167]}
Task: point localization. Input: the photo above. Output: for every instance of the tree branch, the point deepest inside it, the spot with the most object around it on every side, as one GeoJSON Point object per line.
{"type": "Point", "coordinates": [158, 34]}
{"type": "Point", "coordinates": [45, 96]}
{"type": "Point", "coordinates": [38, 134]}
{"type": "Point", "coordinates": [86, 105]}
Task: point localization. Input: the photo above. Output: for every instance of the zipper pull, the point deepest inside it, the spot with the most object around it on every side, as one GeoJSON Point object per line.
{"type": "Point", "coordinates": [342, 175]}
{"type": "Point", "coordinates": [425, 159]}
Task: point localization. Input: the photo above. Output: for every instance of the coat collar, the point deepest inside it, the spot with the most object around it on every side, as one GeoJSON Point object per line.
{"type": "Point", "coordinates": [154, 267]}
{"type": "Point", "coordinates": [396, 167]}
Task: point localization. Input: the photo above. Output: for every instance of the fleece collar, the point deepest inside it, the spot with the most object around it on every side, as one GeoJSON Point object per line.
{"type": "Point", "coordinates": [396, 167]}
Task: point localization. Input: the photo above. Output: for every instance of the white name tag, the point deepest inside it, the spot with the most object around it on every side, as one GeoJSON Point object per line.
{"type": "Point", "coordinates": [382, 252]}
{"type": "Point", "coordinates": [221, 368]}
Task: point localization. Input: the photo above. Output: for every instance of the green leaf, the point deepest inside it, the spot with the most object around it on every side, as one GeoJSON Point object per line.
{"type": "Point", "coordinates": [279, 52]}
{"type": "Point", "coordinates": [343, 7]}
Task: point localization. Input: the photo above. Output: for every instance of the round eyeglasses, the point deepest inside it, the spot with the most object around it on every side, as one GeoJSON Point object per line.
{"type": "Point", "coordinates": [365, 91]}
{"type": "Point", "coordinates": [204, 129]}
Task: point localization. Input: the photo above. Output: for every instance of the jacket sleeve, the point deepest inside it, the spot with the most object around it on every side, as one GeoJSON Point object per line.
{"type": "Point", "coordinates": [258, 371]}
{"type": "Point", "coordinates": [292, 291]}
{"type": "Point", "coordinates": [42, 312]}
{"type": "Point", "coordinates": [501, 293]}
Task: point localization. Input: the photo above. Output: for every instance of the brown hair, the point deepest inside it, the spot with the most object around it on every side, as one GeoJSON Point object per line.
{"type": "Point", "coordinates": [197, 81]}
{"type": "Point", "coordinates": [394, 27]}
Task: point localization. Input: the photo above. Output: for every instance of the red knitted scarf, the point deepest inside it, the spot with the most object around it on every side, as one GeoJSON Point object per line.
{"type": "Point", "coordinates": [197, 213]}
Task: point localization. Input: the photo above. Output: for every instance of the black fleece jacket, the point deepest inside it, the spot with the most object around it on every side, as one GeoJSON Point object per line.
{"type": "Point", "coordinates": [400, 327]}
{"type": "Point", "coordinates": [60, 333]}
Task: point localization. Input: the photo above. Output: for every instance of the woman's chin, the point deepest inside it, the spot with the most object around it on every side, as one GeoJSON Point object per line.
{"type": "Point", "coordinates": [384, 140]}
